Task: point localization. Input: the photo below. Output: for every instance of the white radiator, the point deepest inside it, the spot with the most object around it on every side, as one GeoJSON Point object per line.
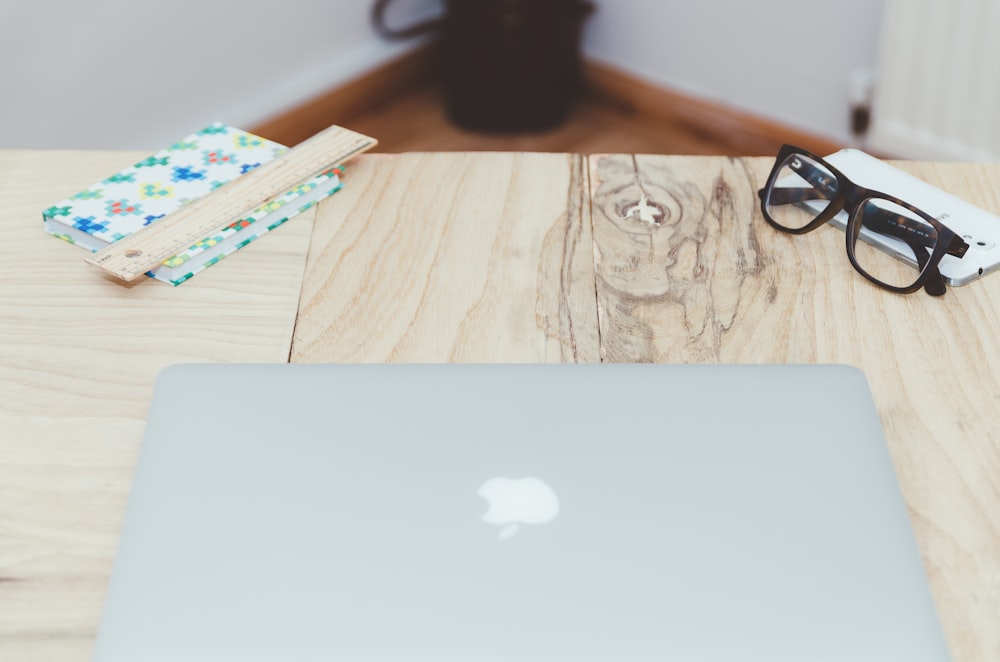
{"type": "Point", "coordinates": [937, 93]}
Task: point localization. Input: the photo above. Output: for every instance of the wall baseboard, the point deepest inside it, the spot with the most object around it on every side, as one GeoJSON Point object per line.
{"type": "Point", "coordinates": [747, 133]}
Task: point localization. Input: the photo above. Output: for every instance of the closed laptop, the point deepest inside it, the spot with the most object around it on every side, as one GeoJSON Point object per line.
{"type": "Point", "coordinates": [537, 513]}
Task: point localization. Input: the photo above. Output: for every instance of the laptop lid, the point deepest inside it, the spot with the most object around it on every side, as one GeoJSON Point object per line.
{"type": "Point", "coordinates": [464, 513]}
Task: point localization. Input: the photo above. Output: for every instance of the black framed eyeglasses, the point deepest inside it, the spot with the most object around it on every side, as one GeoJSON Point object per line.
{"type": "Point", "coordinates": [889, 241]}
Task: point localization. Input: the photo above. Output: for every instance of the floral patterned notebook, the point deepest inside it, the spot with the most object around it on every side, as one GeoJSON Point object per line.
{"type": "Point", "coordinates": [131, 199]}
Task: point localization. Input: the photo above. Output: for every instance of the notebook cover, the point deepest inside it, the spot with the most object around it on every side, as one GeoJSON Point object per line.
{"type": "Point", "coordinates": [140, 195]}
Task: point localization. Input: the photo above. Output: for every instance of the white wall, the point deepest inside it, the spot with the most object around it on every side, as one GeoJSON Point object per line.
{"type": "Point", "coordinates": [787, 60]}
{"type": "Point", "coordinates": [138, 74]}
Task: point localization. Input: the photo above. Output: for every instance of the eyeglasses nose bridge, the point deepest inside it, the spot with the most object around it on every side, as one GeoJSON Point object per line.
{"type": "Point", "coordinates": [852, 198]}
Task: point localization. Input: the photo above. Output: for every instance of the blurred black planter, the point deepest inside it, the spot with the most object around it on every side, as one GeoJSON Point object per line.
{"type": "Point", "coordinates": [508, 65]}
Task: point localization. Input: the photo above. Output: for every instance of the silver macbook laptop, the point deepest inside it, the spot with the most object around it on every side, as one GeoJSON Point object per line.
{"type": "Point", "coordinates": [530, 513]}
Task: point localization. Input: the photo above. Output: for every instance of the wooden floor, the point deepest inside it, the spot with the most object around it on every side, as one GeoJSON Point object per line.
{"type": "Point", "coordinates": [401, 104]}
{"type": "Point", "coordinates": [417, 121]}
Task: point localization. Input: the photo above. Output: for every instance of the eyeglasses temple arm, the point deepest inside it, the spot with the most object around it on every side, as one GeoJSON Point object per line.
{"type": "Point", "coordinates": [912, 232]}
{"type": "Point", "coordinates": [935, 281]}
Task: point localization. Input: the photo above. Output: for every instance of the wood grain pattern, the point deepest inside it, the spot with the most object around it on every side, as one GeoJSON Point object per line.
{"type": "Point", "coordinates": [452, 257]}
{"type": "Point", "coordinates": [78, 358]}
{"type": "Point", "coordinates": [711, 282]}
{"type": "Point", "coordinates": [476, 257]}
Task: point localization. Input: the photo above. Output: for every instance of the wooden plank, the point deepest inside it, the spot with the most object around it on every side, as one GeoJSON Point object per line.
{"type": "Point", "coordinates": [711, 282]}
{"type": "Point", "coordinates": [452, 257]}
{"type": "Point", "coordinates": [78, 357]}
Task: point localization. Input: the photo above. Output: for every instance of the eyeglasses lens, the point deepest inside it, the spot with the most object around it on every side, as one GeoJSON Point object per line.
{"type": "Point", "coordinates": [801, 191]}
{"type": "Point", "coordinates": [891, 243]}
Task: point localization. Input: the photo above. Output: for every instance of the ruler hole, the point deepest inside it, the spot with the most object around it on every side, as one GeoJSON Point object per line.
{"type": "Point", "coordinates": [133, 253]}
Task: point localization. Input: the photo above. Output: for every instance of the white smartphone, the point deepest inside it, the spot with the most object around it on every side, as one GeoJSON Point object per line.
{"type": "Point", "coordinates": [979, 228]}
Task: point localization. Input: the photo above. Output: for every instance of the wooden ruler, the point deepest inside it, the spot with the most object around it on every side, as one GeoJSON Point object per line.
{"type": "Point", "coordinates": [141, 251]}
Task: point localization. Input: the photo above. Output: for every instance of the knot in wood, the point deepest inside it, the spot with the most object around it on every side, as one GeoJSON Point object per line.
{"type": "Point", "coordinates": [652, 213]}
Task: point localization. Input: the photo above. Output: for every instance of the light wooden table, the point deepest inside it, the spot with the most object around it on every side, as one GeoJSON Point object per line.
{"type": "Point", "coordinates": [476, 257]}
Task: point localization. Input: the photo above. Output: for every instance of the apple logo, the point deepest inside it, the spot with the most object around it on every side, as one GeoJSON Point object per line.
{"type": "Point", "coordinates": [512, 502]}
